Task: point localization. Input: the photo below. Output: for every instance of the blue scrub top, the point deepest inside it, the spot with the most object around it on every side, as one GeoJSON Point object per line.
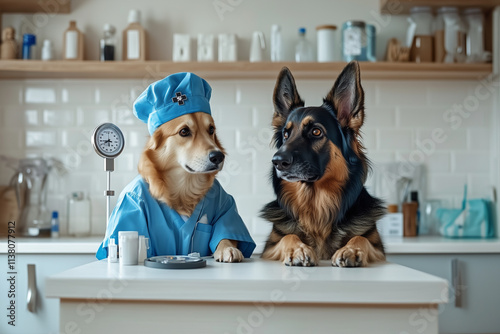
{"type": "Point", "coordinates": [168, 233]}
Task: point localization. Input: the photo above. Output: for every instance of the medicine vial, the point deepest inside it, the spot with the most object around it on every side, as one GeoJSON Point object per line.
{"type": "Point", "coordinates": [112, 251]}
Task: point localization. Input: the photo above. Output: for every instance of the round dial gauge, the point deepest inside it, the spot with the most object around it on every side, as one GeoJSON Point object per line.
{"type": "Point", "coordinates": [108, 140]}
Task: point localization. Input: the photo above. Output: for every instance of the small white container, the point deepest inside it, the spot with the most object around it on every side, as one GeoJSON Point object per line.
{"type": "Point", "coordinates": [206, 47]}
{"type": "Point", "coordinates": [47, 50]}
{"type": "Point", "coordinates": [128, 245]}
{"type": "Point", "coordinates": [276, 43]}
{"type": "Point", "coordinates": [112, 251]}
{"type": "Point", "coordinates": [326, 43]}
{"type": "Point", "coordinates": [228, 47]}
{"type": "Point", "coordinates": [182, 47]}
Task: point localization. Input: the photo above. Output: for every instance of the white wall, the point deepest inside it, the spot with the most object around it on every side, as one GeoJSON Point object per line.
{"type": "Point", "coordinates": [56, 117]}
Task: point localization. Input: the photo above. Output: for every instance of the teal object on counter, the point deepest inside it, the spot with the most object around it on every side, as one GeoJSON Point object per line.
{"type": "Point", "coordinates": [214, 218]}
{"type": "Point", "coordinates": [473, 220]}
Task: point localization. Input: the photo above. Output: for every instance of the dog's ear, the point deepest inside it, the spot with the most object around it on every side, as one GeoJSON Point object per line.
{"type": "Point", "coordinates": [347, 97]}
{"type": "Point", "coordinates": [286, 98]}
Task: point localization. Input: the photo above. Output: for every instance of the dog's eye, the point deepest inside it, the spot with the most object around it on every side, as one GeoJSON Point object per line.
{"type": "Point", "coordinates": [285, 134]}
{"type": "Point", "coordinates": [211, 130]}
{"type": "Point", "coordinates": [316, 132]}
{"type": "Point", "coordinates": [184, 132]}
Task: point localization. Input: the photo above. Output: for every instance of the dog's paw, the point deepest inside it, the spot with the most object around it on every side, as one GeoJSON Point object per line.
{"type": "Point", "coordinates": [301, 255]}
{"type": "Point", "coordinates": [228, 254]}
{"type": "Point", "coordinates": [349, 257]}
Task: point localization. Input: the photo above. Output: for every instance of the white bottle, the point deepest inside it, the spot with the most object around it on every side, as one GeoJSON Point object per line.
{"type": "Point", "coordinates": [128, 244]}
{"type": "Point", "coordinates": [78, 215]}
{"type": "Point", "coordinates": [134, 38]}
{"type": "Point", "coordinates": [112, 251]}
{"type": "Point", "coordinates": [47, 50]}
{"type": "Point", "coordinates": [143, 249]}
{"type": "Point", "coordinates": [303, 49]}
{"type": "Point", "coordinates": [276, 43]}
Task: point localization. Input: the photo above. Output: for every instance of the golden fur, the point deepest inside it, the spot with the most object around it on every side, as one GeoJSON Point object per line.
{"type": "Point", "coordinates": [173, 166]}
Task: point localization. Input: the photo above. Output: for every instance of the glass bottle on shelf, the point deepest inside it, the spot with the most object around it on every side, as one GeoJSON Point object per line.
{"type": "Point", "coordinates": [303, 49]}
{"type": "Point", "coordinates": [108, 43]}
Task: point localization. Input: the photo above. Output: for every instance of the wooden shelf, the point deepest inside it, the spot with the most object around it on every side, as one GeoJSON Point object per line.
{"type": "Point", "coordinates": [397, 7]}
{"type": "Point", "coordinates": [154, 70]}
{"type": "Point", "coordinates": [35, 6]}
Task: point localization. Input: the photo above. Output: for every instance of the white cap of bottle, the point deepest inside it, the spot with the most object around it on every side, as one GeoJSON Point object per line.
{"type": "Point", "coordinates": [134, 16]}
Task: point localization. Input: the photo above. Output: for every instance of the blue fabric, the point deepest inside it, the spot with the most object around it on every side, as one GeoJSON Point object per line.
{"type": "Point", "coordinates": [155, 105]}
{"type": "Point", "coordinates": [137, 210]}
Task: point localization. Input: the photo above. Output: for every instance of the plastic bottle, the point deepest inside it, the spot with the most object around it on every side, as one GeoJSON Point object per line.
{"type": "Point", "coordinates": [29, 43]}
{"type": "Point", "coordinates": [134, 38]}
{"type": "Point", "coordinates": [47, 50]}
{"type": "Point", "coordinates": [112, 251]}
{"type": "Point", "coordinates": [108, 43]}
{"type": "Point", "coordinates": [54, 228]}
{"type": "Point", "coordinates": [276, 43]}
{"type": "Point", "coordinates": [73, 43]}
{"type": "Point", "coordinates": [303, 49]}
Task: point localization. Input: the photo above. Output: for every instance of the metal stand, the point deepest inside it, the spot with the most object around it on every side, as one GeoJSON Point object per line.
{"type": "Point", "coordinates": [109, 166]}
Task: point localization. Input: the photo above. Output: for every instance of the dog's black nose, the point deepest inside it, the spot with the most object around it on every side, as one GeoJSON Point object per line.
{"type": "Point", "coordinates": [216, 157]}
{"type": "Point", "coordinates": [282, 161]}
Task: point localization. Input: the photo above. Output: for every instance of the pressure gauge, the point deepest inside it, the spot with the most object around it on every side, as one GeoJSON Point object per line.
{"type": "Point", "coordinates": [108, 140]}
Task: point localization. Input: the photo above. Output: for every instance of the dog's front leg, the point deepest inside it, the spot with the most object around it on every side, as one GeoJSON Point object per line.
{"type": "Point", "coordinates": [292, 251]}
{"type": "Point", "coordinates": [227, 252]}
{"type": "Point", "coordinates": [358, 252]}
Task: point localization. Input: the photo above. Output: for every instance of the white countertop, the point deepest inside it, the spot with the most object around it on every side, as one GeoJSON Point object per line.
{"type": "Point", "coordinates": [393, 245]}
{"type": "Point", "coordinates": [253, 280]}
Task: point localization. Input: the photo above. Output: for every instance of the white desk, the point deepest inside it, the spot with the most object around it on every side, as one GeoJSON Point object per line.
{"type": "Point", "coordinates": [255, 296]}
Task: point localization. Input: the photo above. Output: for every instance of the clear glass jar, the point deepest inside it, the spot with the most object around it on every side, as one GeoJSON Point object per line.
{"type": "Point", "coordinates": [475, 35]}
{"type": "Point", "coordinates": [454, 35]}
{"type": "Point", "coordinates": [420, 23]}
{"type": "Point", "coordinates": [354, 41]}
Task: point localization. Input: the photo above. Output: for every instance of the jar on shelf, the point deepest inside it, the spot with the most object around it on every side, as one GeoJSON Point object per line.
{"type": "Point", "coordinates": [419, 34]}
{"type": "Point", "coordinates": [326, 42]}
{"type": "Point", "coordinates": [354, 41]}
{"type": "Point", "coordinates": [475, 36]}
{"type": "Point", "coordinates": [454, 36]}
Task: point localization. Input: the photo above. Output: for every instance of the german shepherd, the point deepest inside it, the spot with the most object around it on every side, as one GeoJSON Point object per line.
{"type": "Point", "coordinates": [180, 162]}
{"type": "Point", "coordinates": [322, 210]}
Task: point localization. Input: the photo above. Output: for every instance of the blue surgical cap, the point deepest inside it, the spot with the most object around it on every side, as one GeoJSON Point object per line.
{"type": "Point", "coordinates": [176, 95]}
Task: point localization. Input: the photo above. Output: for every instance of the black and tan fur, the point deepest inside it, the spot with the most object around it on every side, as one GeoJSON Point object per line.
{"type": "Point", "coordinates": [180, 162]}
{"type": "Point", "coordinates": [322, 210]}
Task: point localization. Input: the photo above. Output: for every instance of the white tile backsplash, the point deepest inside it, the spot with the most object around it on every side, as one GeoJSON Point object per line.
{"type": "Point", "coordinates": [53, 119]}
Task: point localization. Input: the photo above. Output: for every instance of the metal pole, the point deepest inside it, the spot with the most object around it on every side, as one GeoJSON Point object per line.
{"type": "Point", "coordinates": [109, 166]}
{"type": "Point", "coordinates": [108, 197]}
